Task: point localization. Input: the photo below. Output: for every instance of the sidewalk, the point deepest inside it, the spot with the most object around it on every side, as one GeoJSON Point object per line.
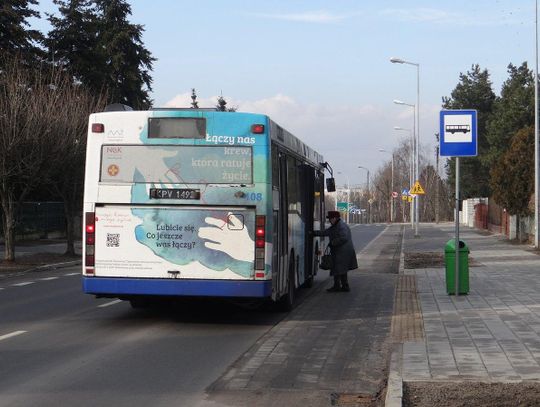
{"type": "Point", "coordinates": [490, 335]}
{"type": "Point", "coordinates": [38, 254]}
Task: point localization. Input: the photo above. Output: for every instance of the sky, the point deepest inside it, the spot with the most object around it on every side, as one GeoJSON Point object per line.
{"type": "Point", "coordinates": [322, 70]}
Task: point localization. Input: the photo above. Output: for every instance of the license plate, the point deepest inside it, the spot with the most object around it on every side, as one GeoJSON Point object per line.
{"type": "Point", "coordinates": [163, 193]}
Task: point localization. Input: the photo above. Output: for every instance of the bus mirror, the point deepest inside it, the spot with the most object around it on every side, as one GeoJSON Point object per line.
{"type": "Point", "coordinates": [330, 184]}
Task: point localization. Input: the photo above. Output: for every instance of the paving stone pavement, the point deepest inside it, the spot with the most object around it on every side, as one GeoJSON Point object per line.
{"type": "Point", "coordinates": [490, 335]}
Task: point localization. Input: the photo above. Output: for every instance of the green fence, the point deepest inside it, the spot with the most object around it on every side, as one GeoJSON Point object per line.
{"type": "Point", "coordinates": [39, 220]}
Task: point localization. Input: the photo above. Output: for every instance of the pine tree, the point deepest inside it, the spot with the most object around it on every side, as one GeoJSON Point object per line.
{"type": "Point", "coordinates": [513, 111]}
{"type": "Point", "coordinates": [513, 174]}
{"type": "Point", "coordinates": [221, 104]}
{"type": "Point", "coordinates": [72, 41]}
{"type": "Point", "coordinates": [194, 103]}
{"type": "Point", "coordinates": [15, 37]}
{"type": "Point", "coordinates": [127, 62]}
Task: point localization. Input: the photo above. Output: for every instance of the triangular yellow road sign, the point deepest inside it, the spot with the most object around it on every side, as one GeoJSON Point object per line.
{"type": "Point", "coordinates": [417, 189]}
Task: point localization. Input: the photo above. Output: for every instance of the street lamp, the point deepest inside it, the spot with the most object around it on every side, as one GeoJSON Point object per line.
{"type": "Point", "coordinates": [382, 150]}
{"type": "Point", "coordinates": [414, 206]}
{"type": "Point", "coordinates": [395, 60]}
{"type": "Point", "coordinates": [348, 194]}
{"type": "Point", "coordinates": [369, 197]}
{"type": "Point", "coordinates": [411, 166]}
{"type": "Point", "coordinates": [536, 136]}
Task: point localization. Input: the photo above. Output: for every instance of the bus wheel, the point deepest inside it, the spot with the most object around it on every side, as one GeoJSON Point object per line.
{"type": "Point", "coordinates": [286, 303]}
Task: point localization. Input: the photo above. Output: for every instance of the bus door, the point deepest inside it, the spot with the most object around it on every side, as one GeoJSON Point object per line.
{"type": "Point", "coordinates": [281, 231]}
{"type": "Point", "coordinates": [308, 197]}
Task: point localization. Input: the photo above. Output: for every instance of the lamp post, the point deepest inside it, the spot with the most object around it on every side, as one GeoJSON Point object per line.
{"type": "Point", "coordinates": [536, 141]}
{"type": "Point", "coordinates": [348, 194]}
{"type": "Point", "coordinates": [414, 206]}
{"type": "Point", "coordinates": [411, 165]}
{"type": "Point", "coordinates": [382, 150]}
{"type": "Point", "coordinates": [368, 194]}
{"type": "Point", "coordinates": [395, 60]}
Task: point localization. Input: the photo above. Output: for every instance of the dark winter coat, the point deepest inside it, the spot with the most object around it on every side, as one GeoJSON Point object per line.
{"type": "Point", "coordinates": [341, 248]}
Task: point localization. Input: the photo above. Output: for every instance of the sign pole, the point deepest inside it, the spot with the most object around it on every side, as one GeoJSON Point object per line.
{"type": "Point", "coordinates": [457, 228]}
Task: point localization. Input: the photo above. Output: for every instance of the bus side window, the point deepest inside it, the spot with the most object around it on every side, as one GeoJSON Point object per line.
{"type": "Point", "coordinates": [292, 183]}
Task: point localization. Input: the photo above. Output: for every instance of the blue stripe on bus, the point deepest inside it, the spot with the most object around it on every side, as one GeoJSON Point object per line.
{"type": "Point", "coordinates": [203, 288]}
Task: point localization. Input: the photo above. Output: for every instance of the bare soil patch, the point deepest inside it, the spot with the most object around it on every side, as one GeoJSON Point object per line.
{"type": "Point", "coordinates": [33, 261]}
{"type": "Point", "coordinates": [419, 260]}
{"type": "Point", "coordinates": [422, 260]}
{"type": "Point", "coordinates": [467, 394]}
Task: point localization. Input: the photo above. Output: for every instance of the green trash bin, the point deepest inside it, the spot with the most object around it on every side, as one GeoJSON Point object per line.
{"type": "Point", "coordinates": [450, 262]}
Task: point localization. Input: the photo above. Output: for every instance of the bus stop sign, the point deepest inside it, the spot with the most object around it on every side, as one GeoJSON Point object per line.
{"type": "Point", "coordinates": [458, 133]}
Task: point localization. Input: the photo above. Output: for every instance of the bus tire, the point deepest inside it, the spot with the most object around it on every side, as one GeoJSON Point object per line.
{"type": "Point", "coordinates": [286, 303]}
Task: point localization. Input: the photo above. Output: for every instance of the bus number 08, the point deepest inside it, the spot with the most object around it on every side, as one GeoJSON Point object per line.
{"type": "Point", "coordinates": [252, 196]}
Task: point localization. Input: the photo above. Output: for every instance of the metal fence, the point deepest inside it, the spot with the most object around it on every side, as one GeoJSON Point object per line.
{"type": "Point", "coordinates": [39, 220]}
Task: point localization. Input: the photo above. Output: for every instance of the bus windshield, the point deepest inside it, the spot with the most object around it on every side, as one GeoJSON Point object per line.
{"type": "Point", "coordinates": [176, 164]}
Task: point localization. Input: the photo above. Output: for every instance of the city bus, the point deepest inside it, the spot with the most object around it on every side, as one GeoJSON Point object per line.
{"type": "Point", "coordinates": [199, 203]}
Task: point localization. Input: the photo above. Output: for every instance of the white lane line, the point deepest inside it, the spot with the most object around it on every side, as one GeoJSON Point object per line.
{"type": "Point", "coordinates": [71, 274]}
{"type": "Point", "coordinates": [11, 335]}
{"type": "Point", "coordinates": [23, 284]}
{"type": "Point", "coordinates": [49, 278]}
{"type": "Point", "coordinates": [108, 304]}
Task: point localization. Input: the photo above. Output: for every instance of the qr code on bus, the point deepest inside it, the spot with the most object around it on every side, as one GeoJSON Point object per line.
{"type": "Point", "coordinates": [113, 239]}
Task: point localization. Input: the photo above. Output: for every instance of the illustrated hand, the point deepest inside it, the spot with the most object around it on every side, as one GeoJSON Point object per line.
{"type": "Point", "coordinates": [231, 240]}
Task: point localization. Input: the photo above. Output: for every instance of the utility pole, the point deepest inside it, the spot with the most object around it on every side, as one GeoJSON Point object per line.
{"type": "Point", "coordinates": [438, 184]}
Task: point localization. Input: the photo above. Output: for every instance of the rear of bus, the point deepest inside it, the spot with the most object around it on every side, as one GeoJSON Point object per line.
{"type": "Point", "coordinates": [176, 204]}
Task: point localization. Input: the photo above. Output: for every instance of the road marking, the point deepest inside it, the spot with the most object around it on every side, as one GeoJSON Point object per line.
{"type": "Point", "coordinates": [71, 274]}
{"type": "Point", "coordinates": [11, 335]}
{"type": "Point", "coordinates": [49, 278]}
{"type": "Point", "coordinates": [107, 304]}
{"type": "Point", "coordinates": [23, 284]}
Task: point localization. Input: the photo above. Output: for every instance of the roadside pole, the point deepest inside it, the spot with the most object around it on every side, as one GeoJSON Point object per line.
{"type": "Point", "coordinates": [456, 279]}
{"type": "Point", "coordinates": [458, 138]}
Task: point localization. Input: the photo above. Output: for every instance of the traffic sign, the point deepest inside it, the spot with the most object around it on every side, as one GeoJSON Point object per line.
{"type": "Point", "coordinates": [342, 206]}
{"type": "Point", "coordinates": [458, 133]}
{"type": "Point", "coordinates": [417, 189]}
{"type": "Point", "coordinates": [394, 194]}
{"type": "Point", "coordinates": [405, 192]}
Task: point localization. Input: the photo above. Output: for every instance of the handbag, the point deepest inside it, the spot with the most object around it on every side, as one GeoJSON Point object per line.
{"type": "Point", "coordinates": [326, 260]}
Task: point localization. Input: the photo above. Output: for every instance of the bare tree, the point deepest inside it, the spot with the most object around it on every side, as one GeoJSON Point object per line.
{"type": "Point", "coordinates": [68, 174]}
{"type": "Point", "coordinates": [35, 106]}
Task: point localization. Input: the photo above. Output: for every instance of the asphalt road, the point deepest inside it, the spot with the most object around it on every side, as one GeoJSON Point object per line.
{"type": "Point", "coordinates": [59, 346]}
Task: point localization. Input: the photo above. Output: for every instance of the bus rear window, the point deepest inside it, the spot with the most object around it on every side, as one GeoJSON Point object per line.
{"type": "Point", "coordinates": [177, 127]}
{"type": "Point", "coordinates": [127, 164]}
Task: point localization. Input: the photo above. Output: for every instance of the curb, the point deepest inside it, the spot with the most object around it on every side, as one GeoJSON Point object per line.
{"type": "Point", "coordinates": [55, 266]}
{"type": "Point", "coordinates": [394, 389]}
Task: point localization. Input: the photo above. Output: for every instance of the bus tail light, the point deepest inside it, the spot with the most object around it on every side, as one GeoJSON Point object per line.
{"type": "Point", "coordinates": [260, 235]}
{"type": "Point", "coordinates": [98, 128]}
{"type": "Point", "coordinates": [90, 241]}
{"type": "Point", "coordinates": [257, 129]}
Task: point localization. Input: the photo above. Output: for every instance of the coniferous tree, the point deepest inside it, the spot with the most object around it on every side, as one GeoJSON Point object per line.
{"type": "Point", "coordinates": [72, 41]}
{"type": "Point", "coordinates": [127, 62]}
{"type": "Point", "coordinates": [194, 103]}
{"type": "Point", "coordinates": [15, 36]}
{"type": "Point", "coordinates": [221, 104]}
{"type": "Point", "coordinates": [513, 174]}
{"type": "Point", "coordinates": [474, 91]}
{"type": "Point", "coordinates": [513, 111]}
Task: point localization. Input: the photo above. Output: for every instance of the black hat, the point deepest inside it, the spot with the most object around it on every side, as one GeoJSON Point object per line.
{"type": "Point", "coordinates": [333, 214]}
